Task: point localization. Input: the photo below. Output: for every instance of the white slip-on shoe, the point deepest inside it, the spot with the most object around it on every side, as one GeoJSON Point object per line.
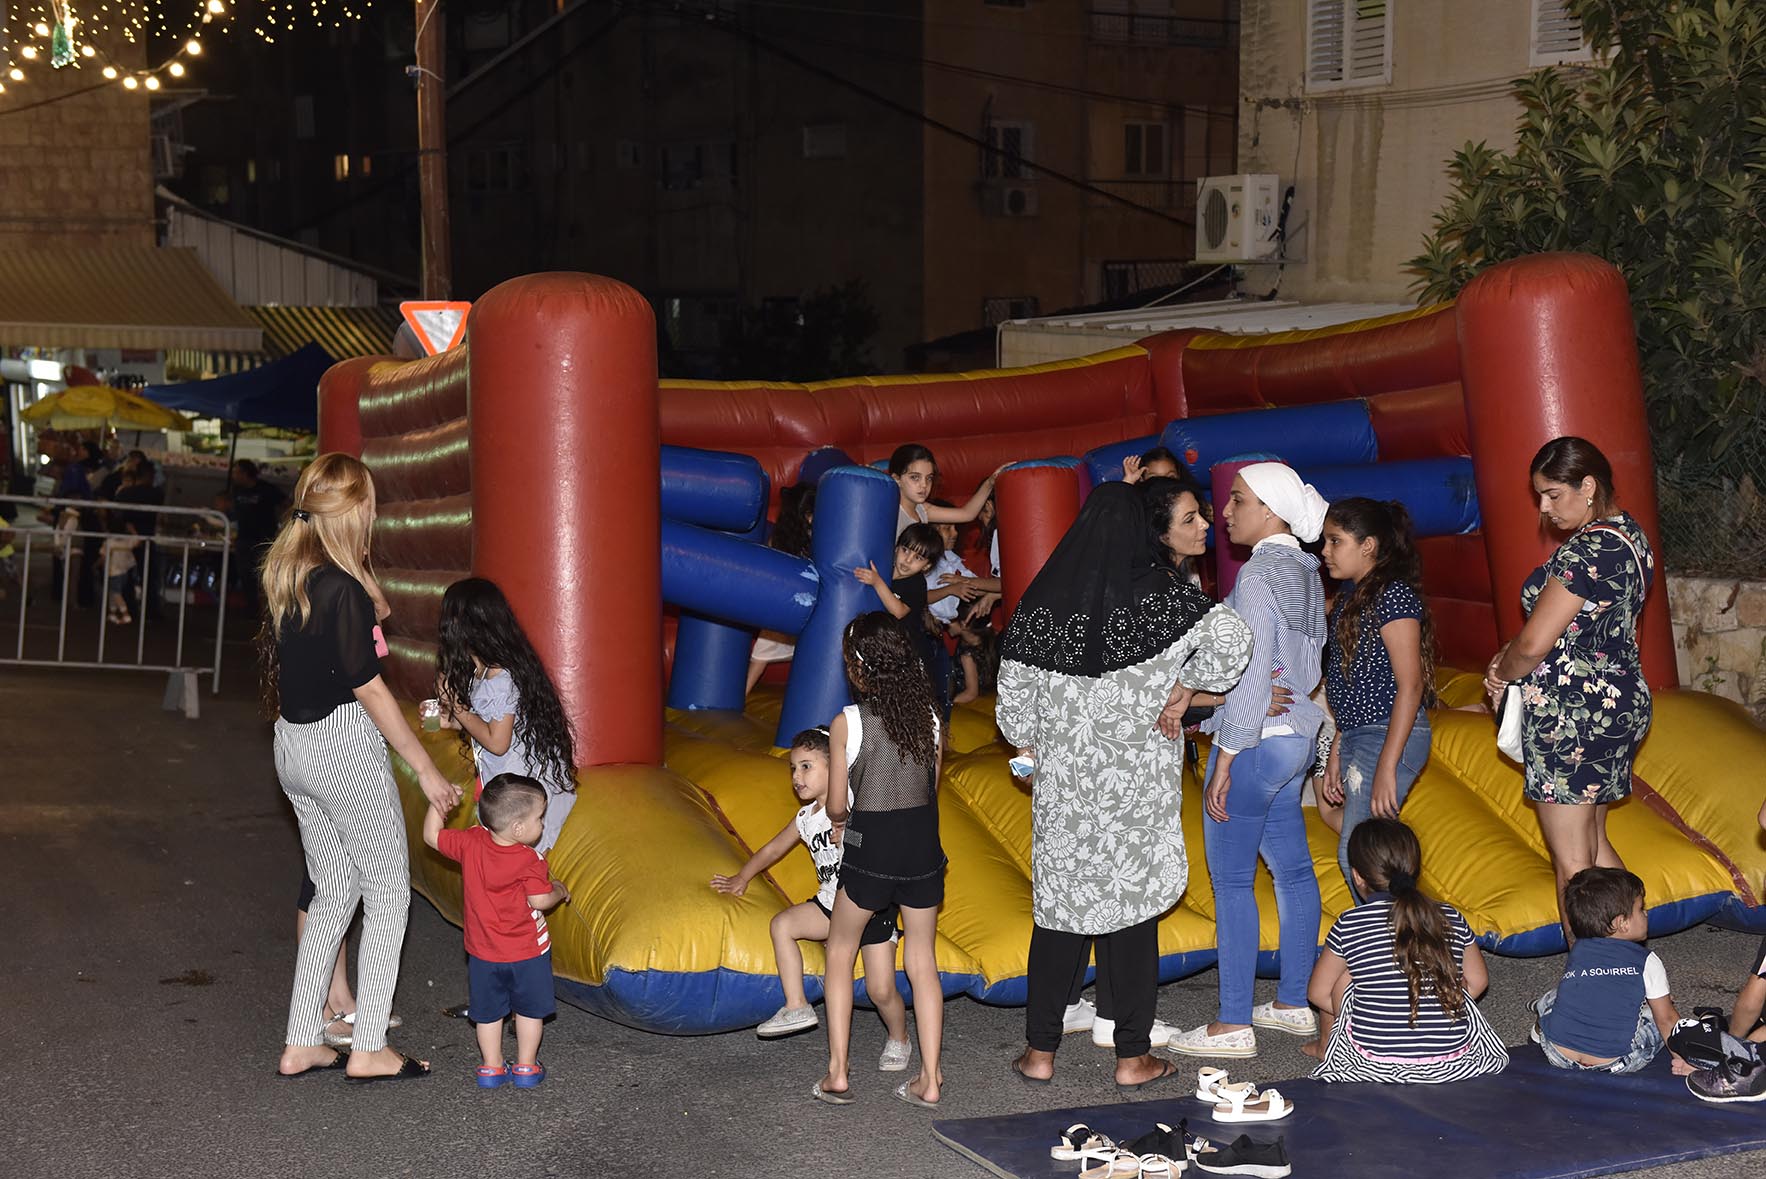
{"type": "Point", "coordinates": [896, 1054]}
{"type": "Point", "coordinates": [788, 1021]}
{"type": "Point", "coordinates": [1296, 1021]}
{"type": "Point", "coordinates": [1103, 1033]}
{"type": "Point", "coordinates": [1197, 1042]}
{"type": "Point", "coordinates": [1079, 1017]}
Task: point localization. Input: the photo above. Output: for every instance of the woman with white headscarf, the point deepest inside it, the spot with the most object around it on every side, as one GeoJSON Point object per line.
{"type": "Point", "coordinates": [1259, 763]}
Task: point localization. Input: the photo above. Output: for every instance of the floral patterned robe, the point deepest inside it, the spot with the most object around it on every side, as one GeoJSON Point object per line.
{"type": "Point", "coordinates": [1107, 846]}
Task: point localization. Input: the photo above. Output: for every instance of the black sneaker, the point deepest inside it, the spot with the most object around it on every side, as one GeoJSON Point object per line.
{"type": "Point", "coordinates": [1698, 1039]}
{"type": "Point", "coordinates": [1242, 1157]}
{"type": "Point", "coordinates": [1733, 1080]}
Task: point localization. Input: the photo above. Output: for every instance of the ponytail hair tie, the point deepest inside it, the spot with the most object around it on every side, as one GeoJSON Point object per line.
{"type": "Point", "coordinates": [1401, 882]}
{"type": "Point", "coordinates": [302, 514]}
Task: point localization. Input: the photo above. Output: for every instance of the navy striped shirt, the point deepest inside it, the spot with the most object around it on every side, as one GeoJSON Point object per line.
{"type": "Point", "coordinates": [1280, 597]}
{"type": "Point", "coordinates": [1380, 1005]}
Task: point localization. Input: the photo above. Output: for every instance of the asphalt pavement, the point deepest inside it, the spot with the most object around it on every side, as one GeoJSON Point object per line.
{"type": "Point", "coordinates": [149, 866]}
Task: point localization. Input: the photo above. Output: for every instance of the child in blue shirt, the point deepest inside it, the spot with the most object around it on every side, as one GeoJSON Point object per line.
{"type": "Point", "coordinates": [1611, 1011]}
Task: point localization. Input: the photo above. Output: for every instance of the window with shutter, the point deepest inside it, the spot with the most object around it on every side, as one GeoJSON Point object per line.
{"type": "Point", "coordinates": [1557, 36]}
{"type": "Point", "coordinates": [1348, 43]}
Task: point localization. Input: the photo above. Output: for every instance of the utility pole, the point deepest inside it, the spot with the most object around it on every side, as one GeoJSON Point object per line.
{"type": "Point", "coordinates": [432, 149]}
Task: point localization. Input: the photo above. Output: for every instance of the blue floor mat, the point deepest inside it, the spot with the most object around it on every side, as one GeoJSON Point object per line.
{"type": "Point", "coordinates": [1531, 1122]}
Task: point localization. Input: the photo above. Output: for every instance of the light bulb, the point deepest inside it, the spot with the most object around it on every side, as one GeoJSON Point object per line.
{"type": "Point", "coordinates": [88, 51]}
{"type": "Point", "coordinates": [193, 47]}
{"type": "Point", "coordinates": [42, 29]}
{"type": "Point", "coordinates": [129, 83]}
{"type": "Point", "coordinates": [110, 72]}
{"type": "Point", "coordinates": [16, 74]}
{"type": "Point", "coordinates": [216, 7]}
{"type": "Point", "coordinates": [29, 53]}
{"type": "Point", "coordinates": [2, 88]}
{"type": "Point", "coordinates": [152, 82]}
{"type": "Point", "coordinates": [176, 69]}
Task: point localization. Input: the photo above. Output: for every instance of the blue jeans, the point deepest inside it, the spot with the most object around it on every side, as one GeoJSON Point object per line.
{"type": "Point", "coordinates": [1646, 1041]}
{"type": "Point", "coordinates": [1263, 806]}
{"type": "Point", "coordinates": [1360, 757]}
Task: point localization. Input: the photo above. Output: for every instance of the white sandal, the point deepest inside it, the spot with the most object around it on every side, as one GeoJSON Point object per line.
{"type": "Point", "coordinates": [1080, 1140]}
{"type": "Point", "coordinates": [1159, 1166]}
{"type": "Point", "coordinates": [1117, 1164]}
{"type": "Point", "coordinates": [1267, 1106]}
{"type": "Point", "coordinates": [1213, 1087]}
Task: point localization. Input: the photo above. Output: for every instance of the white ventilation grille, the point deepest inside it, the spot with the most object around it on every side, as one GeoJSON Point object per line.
{"type": "Point", "coordinates": [1348, 43]}
{"type": "Point", "coordinates": [1557, 36]}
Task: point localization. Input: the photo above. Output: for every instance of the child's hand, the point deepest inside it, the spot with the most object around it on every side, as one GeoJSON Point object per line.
{"type": "Point", "coordinates": [1131, 469]}
{"type": "Point", "coordinates": [733, 886]}
{"type": "Point", "coordinates": [869, 575]}
{"type": "Point", "coordinates": [1332, 785]}
{"type": "Point", "coordinates": [558, 887]}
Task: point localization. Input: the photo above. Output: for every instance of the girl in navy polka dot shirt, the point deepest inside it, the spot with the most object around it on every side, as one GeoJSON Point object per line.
{"type": "Point", "coordinates": [1379, 666]}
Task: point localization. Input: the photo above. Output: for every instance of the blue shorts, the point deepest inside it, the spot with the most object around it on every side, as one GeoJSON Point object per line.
{"type": "Point", "coordinates": [500, 988]}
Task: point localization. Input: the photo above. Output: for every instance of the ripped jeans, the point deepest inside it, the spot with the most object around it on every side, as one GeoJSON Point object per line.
{"type": "Point", "coordinates": [1359, 758]}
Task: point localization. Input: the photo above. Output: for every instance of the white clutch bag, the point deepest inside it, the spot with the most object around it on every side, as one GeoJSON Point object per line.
{"type": "Point", "coordinates": [1508, 723]}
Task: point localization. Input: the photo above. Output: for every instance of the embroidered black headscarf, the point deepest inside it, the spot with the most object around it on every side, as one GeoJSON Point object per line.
{"type": "Point", "coordinates": [1101, 603]}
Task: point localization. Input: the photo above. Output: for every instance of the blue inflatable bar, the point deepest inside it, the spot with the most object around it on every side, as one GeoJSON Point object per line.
{"type": "Point", "coordinates": [854, 526]}
{"type": "Point", "coordinates": [1438, 492]}
{"type": "Point", "coordinates": [1105, 462]}
{"type": "Point", "coordinates": [1337, 433]}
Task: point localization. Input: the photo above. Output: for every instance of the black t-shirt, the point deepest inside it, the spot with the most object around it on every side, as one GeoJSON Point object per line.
{"type": "Point", "coordinates": [325, 661]}
{"type": "Point", "coordinates": [258, 510]}
{"type": "Point", "coordinates": [142, 522]}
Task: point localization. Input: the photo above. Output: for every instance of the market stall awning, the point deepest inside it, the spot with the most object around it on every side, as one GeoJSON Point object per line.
{"type": "Point", "coordinates": [281, 393]}
{"type": "Point", "coordinates": [342, 331]}
{"type": "Point", "coordinates": [136, 297]}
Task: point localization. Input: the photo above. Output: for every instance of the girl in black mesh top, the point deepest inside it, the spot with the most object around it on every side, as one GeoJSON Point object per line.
{"type": "Point", "coordinates": [883, 803]}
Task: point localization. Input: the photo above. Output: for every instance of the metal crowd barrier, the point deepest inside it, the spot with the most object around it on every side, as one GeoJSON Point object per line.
{"type": "Point", "coordinates": [33, 537]}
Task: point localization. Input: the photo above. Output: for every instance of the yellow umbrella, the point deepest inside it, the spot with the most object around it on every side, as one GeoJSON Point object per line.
{"type": "Point", "coordinates": [91, 407]}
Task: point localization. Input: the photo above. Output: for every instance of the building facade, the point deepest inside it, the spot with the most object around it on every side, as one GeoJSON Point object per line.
{"type": "Point", "coordinates": [1359, 104]}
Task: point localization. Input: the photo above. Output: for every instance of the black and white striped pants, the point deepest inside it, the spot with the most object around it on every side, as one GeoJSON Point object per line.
{"type": "Point", "coordinates": [336, 776]}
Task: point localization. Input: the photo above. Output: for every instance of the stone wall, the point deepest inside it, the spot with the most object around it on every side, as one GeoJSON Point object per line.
{"type": "Point", "coordinates": [1720, 637]}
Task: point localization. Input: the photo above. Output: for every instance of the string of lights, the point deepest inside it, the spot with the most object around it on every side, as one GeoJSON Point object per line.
{"type": "Point", "coordinates": [52, 33]}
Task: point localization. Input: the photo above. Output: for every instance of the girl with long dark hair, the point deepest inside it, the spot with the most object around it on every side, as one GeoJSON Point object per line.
{"type": "Point", "coordinates": [495, 690]}
{"type": "Point", "coordinates": [1379, 666]}
{"type": "Point", "coordinates": [1398, 977]}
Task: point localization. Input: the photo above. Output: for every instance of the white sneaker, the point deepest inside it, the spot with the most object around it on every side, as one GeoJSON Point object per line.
{"type": "Point", "coordinates": [1103, 1033]}
{"type": "Point", "coordinates": [1197, 1042]}
{"type": "Point", "coordinates": [1080, 1017]}
{"type": "Point", "coordinates": [788, 1021]}
{"type": "Point", "coordinates": [896, 1054]}
{"type": "Point", "coordinates": [1296, 1021]}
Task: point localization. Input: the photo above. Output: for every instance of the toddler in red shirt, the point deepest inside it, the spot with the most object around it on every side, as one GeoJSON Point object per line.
{"type": "Point", "coordinates": [508, 889]}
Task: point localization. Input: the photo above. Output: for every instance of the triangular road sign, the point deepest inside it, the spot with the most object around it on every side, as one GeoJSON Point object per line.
{"type": "Point", "coordinates": [437, 325]}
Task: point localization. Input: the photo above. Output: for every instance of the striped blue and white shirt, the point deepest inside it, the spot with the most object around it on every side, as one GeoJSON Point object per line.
{"type": "Point", "coordinates": [1363, 938]}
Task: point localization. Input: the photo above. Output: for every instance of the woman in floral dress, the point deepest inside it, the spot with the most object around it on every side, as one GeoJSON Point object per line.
{"type": "Point", "coordinates": [1586, 705]}
{"type": "Point", "coordinates": [1098, 664]}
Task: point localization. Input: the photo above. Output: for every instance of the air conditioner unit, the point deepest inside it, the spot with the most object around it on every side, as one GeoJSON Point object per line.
{"type": "Point", "coordinates": [1236, 217]}
{"type": "Point", "coordinates": [1008, 200]}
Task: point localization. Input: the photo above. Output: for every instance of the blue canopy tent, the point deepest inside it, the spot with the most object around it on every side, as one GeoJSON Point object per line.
{"type": "Point", "coordinates": [282, 393]}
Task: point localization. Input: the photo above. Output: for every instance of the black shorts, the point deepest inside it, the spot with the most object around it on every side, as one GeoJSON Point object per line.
{"type": "Point", "coordinates": [879, 929]}
{"type": "Point", "coordinates": [879, 893]}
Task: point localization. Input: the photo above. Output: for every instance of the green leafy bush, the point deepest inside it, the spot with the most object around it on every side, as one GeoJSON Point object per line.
{"type": "Point", "coordinates": [1656, 161]}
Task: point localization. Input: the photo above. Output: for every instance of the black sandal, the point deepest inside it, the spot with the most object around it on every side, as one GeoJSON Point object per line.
{"type": "Point", "coordinates": [410, 1070]}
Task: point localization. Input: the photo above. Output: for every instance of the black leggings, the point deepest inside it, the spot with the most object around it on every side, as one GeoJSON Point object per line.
{"type": "Point", "coordinates": [1128, 984]}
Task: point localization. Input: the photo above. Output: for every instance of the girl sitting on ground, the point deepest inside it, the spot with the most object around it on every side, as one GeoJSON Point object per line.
{"type": "Point", "coordinates": [1398, 976]}
{"type": "Point", "coordinates": [883, 804]}
{"type": "Point", "coordinates": [809, 921]}
{"type": "Point", "coordinates": [914, 469]}
{"type": "Point", "coordinates": [1379, 666]}
{"type": "Point", "coordinates": [495, 690]}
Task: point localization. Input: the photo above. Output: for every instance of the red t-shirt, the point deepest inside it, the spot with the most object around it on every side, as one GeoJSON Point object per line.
{"type": "Point", "coordinates": [500, 925]}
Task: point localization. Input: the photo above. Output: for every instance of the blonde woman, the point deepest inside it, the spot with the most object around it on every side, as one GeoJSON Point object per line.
{"type": "Point", "coordinates": [335, 716]}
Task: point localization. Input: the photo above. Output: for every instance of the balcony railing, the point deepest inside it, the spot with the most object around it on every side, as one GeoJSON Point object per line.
{"type": "Point", "coordinates": [1112, 27]}
{"type": "Point", "coordinates": [1153, 194]}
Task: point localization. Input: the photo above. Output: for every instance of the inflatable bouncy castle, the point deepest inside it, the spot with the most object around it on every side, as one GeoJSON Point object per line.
{"type": "Point", "coordinates": [625, 519]}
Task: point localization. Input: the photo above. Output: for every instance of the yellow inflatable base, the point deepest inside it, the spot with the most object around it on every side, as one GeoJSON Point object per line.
{"type": "Point", "coordinates": [647, 942]}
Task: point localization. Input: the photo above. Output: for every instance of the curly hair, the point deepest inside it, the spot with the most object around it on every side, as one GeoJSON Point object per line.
{"type": "Point", "coordinates": [797, 509]}
{"type": "Point", "coordinates": [1161, 494]}
{"type": "Point", "coordinates": [886, 674]}
{"type": "Point", "coordinates": [1396, 560]}
{"type": "Point", "coordinates": [1386, 854]}
{"type": "Point", "coordinates": [477, 620]}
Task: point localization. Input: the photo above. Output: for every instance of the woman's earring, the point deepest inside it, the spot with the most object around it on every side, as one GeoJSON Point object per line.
{"type": "Point", "coordinates": [1591, 501]}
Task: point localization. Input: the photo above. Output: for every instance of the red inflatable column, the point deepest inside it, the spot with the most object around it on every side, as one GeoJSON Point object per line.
{"type": "Point", "coordinates": [340, 406]}
{"type": "Point", "coordinates": [1548, 348]}
{"type": "Point", "coordinates": [565, 505]}
{"type": "Point", "coordinates": [1038, 502]}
